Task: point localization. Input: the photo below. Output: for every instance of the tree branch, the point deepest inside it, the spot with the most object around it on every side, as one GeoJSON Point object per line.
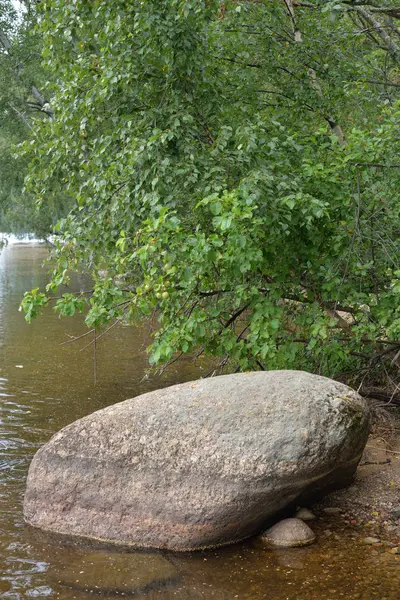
{"type": "Point", "coordinates": [391, 46]}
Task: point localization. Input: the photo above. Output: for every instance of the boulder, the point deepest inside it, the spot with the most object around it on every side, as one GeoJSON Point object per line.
{"type": "Point", "coordinates": [198, 465]}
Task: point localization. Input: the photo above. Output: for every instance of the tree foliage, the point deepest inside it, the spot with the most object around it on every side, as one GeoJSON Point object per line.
{"type": "Point", "coordinates": [235, 172]}
{"type": "Point", "coordinates": [22, 103]}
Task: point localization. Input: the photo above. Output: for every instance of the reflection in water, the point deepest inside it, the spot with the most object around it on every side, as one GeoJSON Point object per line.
{"type": "Point", "coordinates": [43, 387]}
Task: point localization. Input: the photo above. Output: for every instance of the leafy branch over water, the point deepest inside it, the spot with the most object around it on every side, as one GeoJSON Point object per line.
{"type": "Point", "coordinates": [234, 168]}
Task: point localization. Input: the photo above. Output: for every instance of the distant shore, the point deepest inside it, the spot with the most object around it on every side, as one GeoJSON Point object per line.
{"type": "Point", "coordinates": [22, 240]}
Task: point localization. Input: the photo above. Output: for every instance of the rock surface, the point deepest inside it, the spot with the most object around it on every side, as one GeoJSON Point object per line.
{"type": "Point", "coordinates": [289, 533]}
{"type": "Point", "coordinates": [198, 465]}
{"type": "Point", "coordinates": [332, 510]}
{"type": "Point", "coordinates": [305, 515]}
{"type": "Point", "coordinates": [371, 540]}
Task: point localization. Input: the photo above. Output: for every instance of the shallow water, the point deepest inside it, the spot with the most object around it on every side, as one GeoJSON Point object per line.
{"type": "Point", "coordinates": [44, 386]}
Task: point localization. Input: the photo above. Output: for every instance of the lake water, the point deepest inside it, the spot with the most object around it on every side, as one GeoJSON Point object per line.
{"type": "Point", "coordinates": [44, 385]}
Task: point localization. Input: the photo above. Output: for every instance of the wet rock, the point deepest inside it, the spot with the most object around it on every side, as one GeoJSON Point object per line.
{"type": "Point", "coordinates": [288, 533]}
{"type": "Point", "coordinates": [112, 573]}
{"type": "Point", "coordinates": [371, 540]}
{"type": "Point", "coordinates": [5, 585]}
{"type": "Point", "coordinates": [332, 510]}
{"type": "Point", "coordinates": [198, 465]}
{"type": "Point", "coordinates": [395, 514]}
{"type": "Point", "coordinates": [305, 515]}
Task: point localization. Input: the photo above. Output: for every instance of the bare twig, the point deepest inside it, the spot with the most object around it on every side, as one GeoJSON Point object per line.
{"type": "Point", "coordinates": [78, 337]}
{"type": "Point", "coordinates": [386, 450]}
{"type": "Point", "coordinates": [96, 338]}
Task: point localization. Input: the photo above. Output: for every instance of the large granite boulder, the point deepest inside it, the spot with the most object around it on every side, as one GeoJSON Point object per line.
{"type": "Point", "coordinates": [200, 464]}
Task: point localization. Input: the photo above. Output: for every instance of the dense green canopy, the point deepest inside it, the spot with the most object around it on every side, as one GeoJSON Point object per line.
{"type": "Point", "coordinates": [23, 102]}
{"type": "Point", "coordinates": [235, 171]}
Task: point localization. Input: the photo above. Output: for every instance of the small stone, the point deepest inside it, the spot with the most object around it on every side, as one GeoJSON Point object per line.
{"type": "Point", "coordinates": [371, 540]}
{"type": "Point", "coordinates": [394, 550]}
{"type": "Point", "coordinates": [288, 533]}
{"type": "Point", "coordinates": [352, 489]}
{"type": "Point", "coordinates": [305, 515]}
{"type": "Point", "coordinates": [332, 510]}
{"type": "Point", "coordinates": [5, 585]}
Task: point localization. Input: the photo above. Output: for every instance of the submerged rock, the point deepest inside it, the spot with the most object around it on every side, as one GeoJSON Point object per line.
{"type": "Point", "coordinates": [289, 533]}
{"type": "Point", "coordinates": [112, 573]}
{"type": "Point", "coordinates": [332, 510]}
{"type": "Point", "coordinates": [371, 540]}
{"type": "Point", "coordinates": [305, 515]}
{"type": "Point", "coordinates": [198, 465]}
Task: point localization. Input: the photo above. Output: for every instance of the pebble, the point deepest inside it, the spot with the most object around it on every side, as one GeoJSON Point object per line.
{"type": "Point", "coordinates": [332, 510]}
{"type": "Point", "coordinates": [394, 550]}
{"type": "Point", "coordinates": [371, 540]}
{"type": "Point", "coordinates": [305, 515]}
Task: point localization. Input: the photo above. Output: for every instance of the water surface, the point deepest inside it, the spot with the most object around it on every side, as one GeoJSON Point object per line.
{"type": "Point", "coordinates": [44, 385]}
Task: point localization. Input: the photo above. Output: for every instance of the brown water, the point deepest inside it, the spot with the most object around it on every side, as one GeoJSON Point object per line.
{"type": "Point", "coordinates": [43, 387]}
